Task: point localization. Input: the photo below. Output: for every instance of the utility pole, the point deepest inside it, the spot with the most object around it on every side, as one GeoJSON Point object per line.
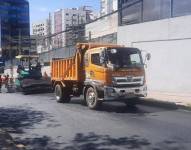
{"type": "Point", "coordinates": [49, 39]}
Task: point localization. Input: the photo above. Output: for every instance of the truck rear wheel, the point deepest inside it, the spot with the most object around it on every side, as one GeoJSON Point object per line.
{"type": "Point", "coordinates": [61, 94]}
{"type": "Point", "coordinates": [92, 98]}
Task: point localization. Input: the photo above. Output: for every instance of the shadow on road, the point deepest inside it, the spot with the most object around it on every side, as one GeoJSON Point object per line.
{"type": "Point", "coordinates": [92, 141]}
{"type": "Point", "coordinates": [120, 108]}
{"type": "Point", "coordinates": [39, 143]}
{"type": "Point", "coordinates": [142, 107]}
{"type": "Point", "coordinates": [15, 120]}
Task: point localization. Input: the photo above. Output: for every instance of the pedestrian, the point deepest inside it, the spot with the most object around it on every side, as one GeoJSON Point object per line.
{"type": "Point", "coordinates": [6, 81]}
{"type": "Point", "coordinates": [1, 81]}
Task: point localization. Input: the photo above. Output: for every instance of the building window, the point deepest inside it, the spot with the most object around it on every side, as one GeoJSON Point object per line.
{"type": "Point", "coordinates": [131, 13]}
{"type": "Point", "coordinates": [156, 9]}
{"type": "Point", "coordinates": [181, 7]}
{"type": "Point", "coordinates": [136, 11]}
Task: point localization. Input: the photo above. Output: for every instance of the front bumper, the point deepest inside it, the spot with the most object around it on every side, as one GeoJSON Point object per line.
{"type": "Point", "coordinates": [112, 93]}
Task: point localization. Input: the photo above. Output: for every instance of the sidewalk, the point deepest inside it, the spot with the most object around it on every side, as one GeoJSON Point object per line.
{"type": "Point", "coordinates": [178, 99]}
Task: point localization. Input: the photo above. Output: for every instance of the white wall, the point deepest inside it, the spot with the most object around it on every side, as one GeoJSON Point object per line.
{"type": "Point", "coordinates": [168, 41]}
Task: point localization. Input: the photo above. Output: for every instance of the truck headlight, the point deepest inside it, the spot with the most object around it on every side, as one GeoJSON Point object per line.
{"type": "Point", "coordinates": [143, 80]}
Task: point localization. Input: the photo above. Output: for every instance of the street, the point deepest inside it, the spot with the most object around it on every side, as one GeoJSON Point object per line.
{"type": "Point", "coordinates": [40, 123]}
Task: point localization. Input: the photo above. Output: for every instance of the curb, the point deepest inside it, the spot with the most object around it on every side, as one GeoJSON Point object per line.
{"type": "Point", "coordinates": [188, 108]}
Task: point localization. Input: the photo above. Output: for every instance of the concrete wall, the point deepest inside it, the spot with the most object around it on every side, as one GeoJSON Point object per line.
{"type": "Point", "coordinates": [168, 41]}
{"type": "Point", "coordinates": [102, 27]}
{"type": "Point", "coordinates": [57, 53]}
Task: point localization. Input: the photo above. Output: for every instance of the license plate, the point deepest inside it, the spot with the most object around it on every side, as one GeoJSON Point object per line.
{"type": "Point", "coordinates": [129, 93]}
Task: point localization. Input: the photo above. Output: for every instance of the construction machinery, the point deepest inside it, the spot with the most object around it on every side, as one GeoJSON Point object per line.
{"type": "Point", "coordinates": [30, 79]}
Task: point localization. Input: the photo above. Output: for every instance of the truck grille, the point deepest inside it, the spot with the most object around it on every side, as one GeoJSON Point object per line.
{"type": "Point", "coordinates": [128, 81]}
{"type": "Point", "coordinates": [127, 85]}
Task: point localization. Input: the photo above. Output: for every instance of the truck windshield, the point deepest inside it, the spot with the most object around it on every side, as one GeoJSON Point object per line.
{"type": "Point", "coordinates": [124, 57]}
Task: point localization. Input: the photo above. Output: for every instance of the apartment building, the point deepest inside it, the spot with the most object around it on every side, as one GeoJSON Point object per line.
{"type": "Point", "coordinates": [64, 19]}
{"type": "Point", "coordinates": [108, 6]}
{"type": "Point", "coordinates": [40, 28]}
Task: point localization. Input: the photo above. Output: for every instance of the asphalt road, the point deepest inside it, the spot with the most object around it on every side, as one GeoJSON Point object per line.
{"type": "Point", "coordinates": [40, 123]}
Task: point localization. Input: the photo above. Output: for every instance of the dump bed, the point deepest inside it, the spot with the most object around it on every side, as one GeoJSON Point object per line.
{"type": "Point", "coordinates": [67, 69]}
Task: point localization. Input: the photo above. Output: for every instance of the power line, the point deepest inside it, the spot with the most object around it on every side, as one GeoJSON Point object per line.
{"type": "Point", "coordinates": [80, 25]}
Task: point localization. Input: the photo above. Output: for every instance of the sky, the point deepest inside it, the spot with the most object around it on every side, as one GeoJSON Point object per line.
{"type": "Point", "coordinates": [39, 9]}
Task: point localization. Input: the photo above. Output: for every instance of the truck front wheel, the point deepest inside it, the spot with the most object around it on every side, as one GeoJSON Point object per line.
{"type": "Point", "coordinates": [92, 98]}
{"type": "Point", "coordinates": [61, 94]}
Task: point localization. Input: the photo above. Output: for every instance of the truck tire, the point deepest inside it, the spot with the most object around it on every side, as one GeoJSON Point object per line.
{"type": "Point", "coordinates": [61, 94]}
{"type": "Point", "coordinates": [92, 98]}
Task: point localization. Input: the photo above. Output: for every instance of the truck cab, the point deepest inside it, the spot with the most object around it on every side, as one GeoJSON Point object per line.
{"type": "Point", "coordinates": [117, 73]}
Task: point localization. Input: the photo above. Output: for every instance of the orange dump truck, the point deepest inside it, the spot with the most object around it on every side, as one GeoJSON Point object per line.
{"type": "Point", "coordinates": [100, 72]}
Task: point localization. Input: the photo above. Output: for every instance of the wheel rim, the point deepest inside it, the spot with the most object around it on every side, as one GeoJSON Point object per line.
{"type": "Point", "coordinates": [91, 98]}
{"type": "Point", "coordinates": [58, 93]}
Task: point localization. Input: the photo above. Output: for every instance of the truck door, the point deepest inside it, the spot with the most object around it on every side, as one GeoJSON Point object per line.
{"type": "Point", "coordinates": [95, 71]}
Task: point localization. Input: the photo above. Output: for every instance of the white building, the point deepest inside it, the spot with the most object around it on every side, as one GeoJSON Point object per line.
{"type": "Point", "coordinates": [40, 28]}
{"type": "Point", "coordinates": [65, 18]}
{"type": "Point", "coordinates": [108, 6]}
{"type": "Point", "coordinates": [162, 28]}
